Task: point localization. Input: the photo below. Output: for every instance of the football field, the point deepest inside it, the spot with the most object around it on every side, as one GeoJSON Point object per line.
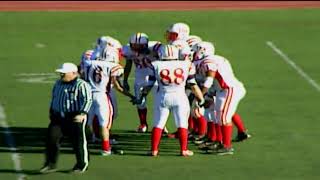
{"type": "Point", "coordinates": [275, 53]}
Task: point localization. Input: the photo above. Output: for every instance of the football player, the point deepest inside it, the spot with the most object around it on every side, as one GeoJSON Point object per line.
{"type": "Point", "coordinates": [140, 52]}
{"type": "Point", "coordinates": [172, 74]}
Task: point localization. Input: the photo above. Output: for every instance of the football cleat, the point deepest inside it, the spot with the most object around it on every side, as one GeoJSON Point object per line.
{"type": "Point", "coordinates": [153, 153]}
{"type": "Point", "coordinates": [199, 139]}
{"type": "Point", "coordinates": [48, 169]}
{"type": "Point", "coordinates": [106, 153]}
{"type": "Point", "coordinates": [241, 137]}
{"type": "Point", "coordinates": [225, 151]}
{"type": "Point", "coordinates": [142, 128]}
{"type": "Point", "coordinates": [205, 144]}
{"type": "Point", "coordinates": [213, 147]}
{"type": "Point", "coordinates": [187, 153]}
{"type": "Point", "coordinates": [191, 136]}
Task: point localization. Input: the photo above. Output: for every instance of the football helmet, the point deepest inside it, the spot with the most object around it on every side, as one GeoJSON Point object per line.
{"type": "Point", "coordinates": [192, 41]}
{"type": "Point", "coordinates": [177, 31]}
{"type": "Point", "coordinates": [203, 50]}
{"type": "Point", "coordinates": [139, 42]}
{"type": "Point", "coordinates": [104, 41]}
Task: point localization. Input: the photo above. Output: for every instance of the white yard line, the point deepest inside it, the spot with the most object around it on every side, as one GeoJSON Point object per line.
{"type": "Point", "coordinates": [11, 143]}
{"type": "Point", "coordinates": [293, 64]}
{"type": "Point", "coordinates": [43, 78]}
{"type": "Point", "coordinates": [37, 74]}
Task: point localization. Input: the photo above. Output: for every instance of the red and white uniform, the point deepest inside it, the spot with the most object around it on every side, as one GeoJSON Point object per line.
{"type": "Point", "coordinates": [98, 74]}
{"type": "Point", "coordinates": [229, 90]}
{"type": "Point", "coordinates": [171, 77]}
{"type": "Point", "coordinates": [184, 49]}
{"type": "Point", "coordinates": [142, 66]}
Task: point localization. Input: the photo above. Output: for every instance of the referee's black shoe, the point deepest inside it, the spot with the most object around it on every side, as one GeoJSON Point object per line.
{"type": "Point", "coordinates": [48, 168]}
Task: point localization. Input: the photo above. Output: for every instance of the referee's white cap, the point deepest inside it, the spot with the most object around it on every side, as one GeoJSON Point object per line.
{"type": "Point", "coordinates": [67, 67]}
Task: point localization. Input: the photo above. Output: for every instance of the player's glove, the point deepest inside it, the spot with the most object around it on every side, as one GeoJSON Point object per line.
{"type": "Point", "coordinates": [136, 101]}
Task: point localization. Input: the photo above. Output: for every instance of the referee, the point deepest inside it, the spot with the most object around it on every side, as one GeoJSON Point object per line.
{"type": "Point", "coordinates": [70, 103]}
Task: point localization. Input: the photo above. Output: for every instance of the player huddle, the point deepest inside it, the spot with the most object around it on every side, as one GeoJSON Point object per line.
{"type": "Point", "coordinates": [184, 76]}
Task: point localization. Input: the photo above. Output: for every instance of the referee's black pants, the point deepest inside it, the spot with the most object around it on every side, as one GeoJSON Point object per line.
{"type": "Point", "coordinates": [60, 127]}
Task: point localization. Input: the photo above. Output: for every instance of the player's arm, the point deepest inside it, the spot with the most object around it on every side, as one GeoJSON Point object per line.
{"type": "Point", "coordinates": [209, 81]}
{"type": "Point", "coordinates": [195, 89]}
{"type": "Point", "coordinates": [116, 75]}
{"type": "Point", "coordinates": [116, 82]}
{"type": "Point", "coordinates": [127, 70]}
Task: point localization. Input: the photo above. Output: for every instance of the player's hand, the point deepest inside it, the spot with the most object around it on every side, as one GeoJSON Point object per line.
{"type": "Point", "coordinates": [136, 101]}
{"type": "Point", "coordinates": [126, 86]}
{"type": "Point", "coordinates": [209, 100]}
{"type": "Point", "coordinates": [79, 118]}
{"type": "Point", "coordinates": [201, 103]}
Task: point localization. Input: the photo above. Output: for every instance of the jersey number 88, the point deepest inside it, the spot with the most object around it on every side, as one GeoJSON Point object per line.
{"type": "Point", "coordinates": [169, 78]}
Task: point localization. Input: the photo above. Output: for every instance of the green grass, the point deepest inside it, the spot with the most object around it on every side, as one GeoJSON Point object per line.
{"type": "Point", "coordinates": [280, 109]}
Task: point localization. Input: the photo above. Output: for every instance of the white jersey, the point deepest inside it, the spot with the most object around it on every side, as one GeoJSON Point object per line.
{"type": "Point", "coordinates": [224, 77]}
{"type": "Point", "coordinates": [172, 75]}
{"type": "Point", "coordinates": [99, 73]}
{"type": "Point", "coordinates": [185, 52]}
{"type": "Point", "coordinates": [142, 60]}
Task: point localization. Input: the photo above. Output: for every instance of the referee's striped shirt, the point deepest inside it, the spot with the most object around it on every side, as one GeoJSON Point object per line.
{"type": "Point", "coordinates": [71, 97]}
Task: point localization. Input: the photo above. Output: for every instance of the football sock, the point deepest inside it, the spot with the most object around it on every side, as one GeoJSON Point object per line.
{"type": "Point", "coordinates": [155, 138]}
{"type": "Point", "coordinates": [227, 135]}
{"type": "Point", "coordinates": [195, 125]}
{"type": "Point", "coordinates": [202, 125]}
{"type": "Point", "coordinates": [190, 123]}
{"type": "Point", "coordinates": [143, 116]}
{"type": "Point", "coordinates": [236, 119]}
{"type": "Point", "coordinates": [183, 138]}
{"type": "Point", "coordinates": [105, 145]}
{"type": "Point", "coordinates": [211, 132]}
{"type": "Point", "coordinates": [218, 132]}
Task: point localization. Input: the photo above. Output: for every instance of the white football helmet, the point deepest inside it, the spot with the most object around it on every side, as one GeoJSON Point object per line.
{"type": "Point", "coordinates": [168, 52]}
{"type": "Point", "coordinates": [102, 41]}
{"type": "Point", "coordinates": [139, 41]}
{"type": "Point", "coordinates": [114, 43]}
{"type": "Point", "coordinates": [184, 49]}
{"type": "Point", "coordinates": [193, 41]}
{"type": "Point", "coordinates": [203, 50]}
{"type": "Point", "coordinates": [110, 54]}
{"type": "Point", "coordinates": [108, 41]}
{"type": "Point", "coordinates": [178, 31]}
